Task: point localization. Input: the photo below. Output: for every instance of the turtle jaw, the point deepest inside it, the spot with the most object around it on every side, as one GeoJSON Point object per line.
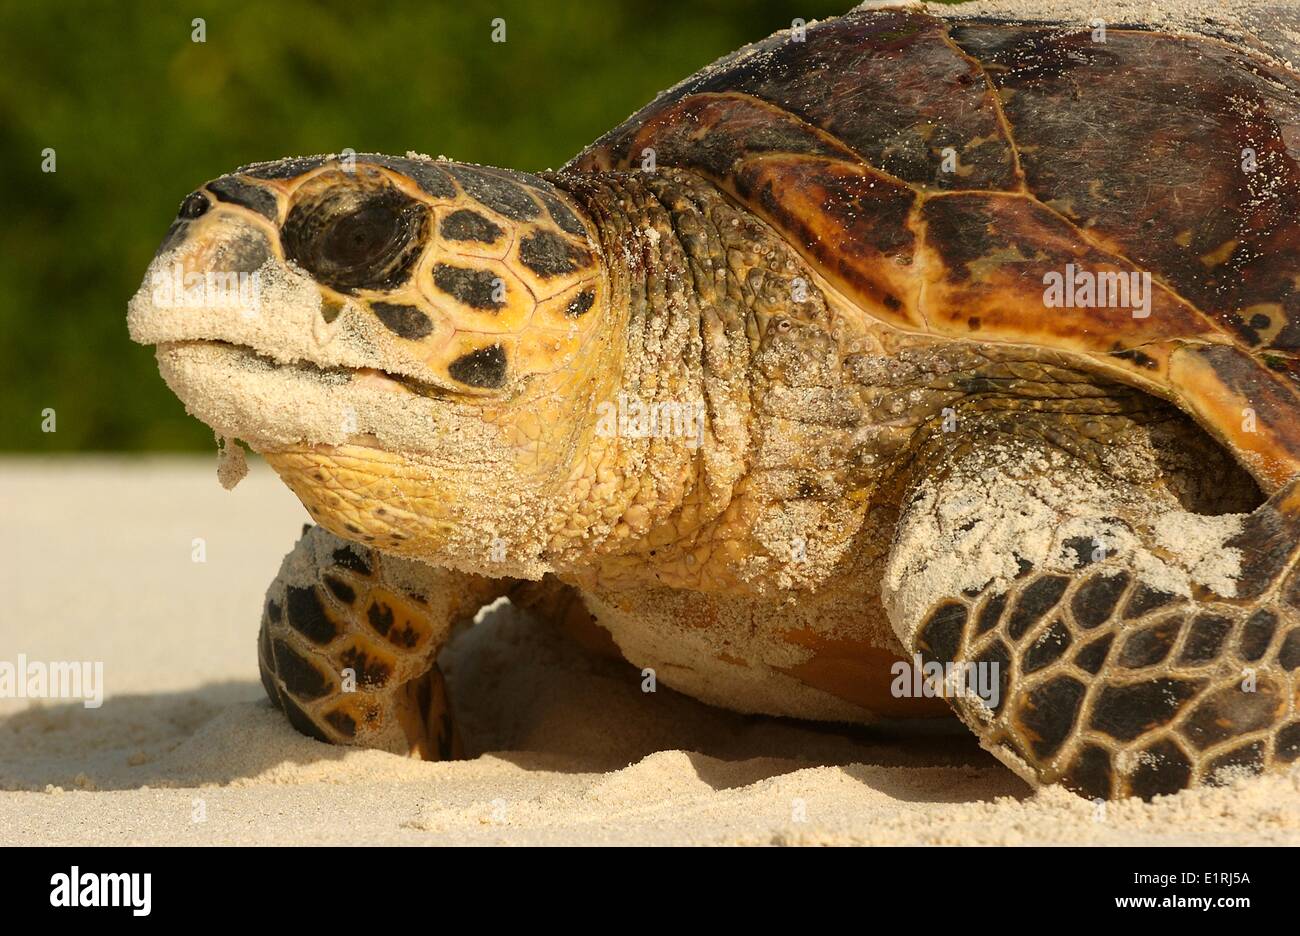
{"type": "Point", "coordinates": [242, 339]}
{"type": "Point", "coordinates": [298, 406]}
{"type": "Point", "coordinates": [272, 405]}
{"type": "Point", "coordinates": [415, 507]}
{"type": "Point", "coordinates": [420, 507]}
{"type": "Point", "coordinates": [366, 494]}
{"type": "Point", "coordinates": [411, 473]}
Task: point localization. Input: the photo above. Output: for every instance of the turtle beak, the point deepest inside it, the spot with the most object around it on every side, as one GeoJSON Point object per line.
{"type": "Point", "coordinates": [208, 268]}
{"type": "Point", "coordinates": [197, 221]}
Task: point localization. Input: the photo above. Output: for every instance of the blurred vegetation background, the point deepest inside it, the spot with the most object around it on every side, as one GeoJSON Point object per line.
{"type": "Point", "coordinates": [138, 115]}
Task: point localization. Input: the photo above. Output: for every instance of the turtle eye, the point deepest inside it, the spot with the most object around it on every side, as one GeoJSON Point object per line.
{"type": "Point", "coordinates": [194, 206]}
{"type": "Point", "coordinates": [359, 239]}
{"type": "Point", "coordinates": [352, 238]}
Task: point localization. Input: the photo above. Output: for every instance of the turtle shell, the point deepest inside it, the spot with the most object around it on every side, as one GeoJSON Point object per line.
{"type": "Point", "coordinates": [935, 171]}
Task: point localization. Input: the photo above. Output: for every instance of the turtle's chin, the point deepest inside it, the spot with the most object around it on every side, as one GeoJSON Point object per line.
{"type": "Point", "coordinates": [412, 507]}
{"type": "Point", "coordinates": [371, 459]}
{"type": "Point", "coordinates": [364, 494]}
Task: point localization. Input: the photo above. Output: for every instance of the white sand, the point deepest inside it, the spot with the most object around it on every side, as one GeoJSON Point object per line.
{"type": "Point", "coordinates": [97, 566]}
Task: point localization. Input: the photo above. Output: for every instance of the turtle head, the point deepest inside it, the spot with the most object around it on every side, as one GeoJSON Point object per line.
{"type": "Point", "coordinates": [412, 344]}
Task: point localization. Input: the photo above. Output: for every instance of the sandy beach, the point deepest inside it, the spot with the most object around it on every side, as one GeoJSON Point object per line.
{"type": "Point", "coordinates": [99, 566]}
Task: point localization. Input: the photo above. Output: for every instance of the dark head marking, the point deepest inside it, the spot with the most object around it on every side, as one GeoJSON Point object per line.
{"type": "Point", "coordinates": [548, 254]}
{"type": "Point", "coordinates": [560, 213]}
{"type": "Point", "coordinates": [282, 168]}
{"type": "Point", "coordinates": [248, 252]}
{"type": "Point", "coordinates": [475, 288]}
{"type": "Point", "coordinates": [580, 304]}
{"type": "Point", "coordinates": [195, 205]}
{"type": "Point", "coordinates": [485, 367]}
{"type": "Point", "coordinates": [466, 225]}
{"type": "Point", "coordinates": [353, 235]}
{"type": "Point", "coordinates": [497, 192]}
{"type": "Point", "coordinates": [404, 321]}
{"type": "Point", "coordinates": [253, 197]}
{"type": "Point", "coordinates": [430, 178]}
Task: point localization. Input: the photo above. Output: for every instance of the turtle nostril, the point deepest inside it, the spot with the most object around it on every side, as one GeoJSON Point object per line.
{"type": "Point", "coordinates": [195, 205]}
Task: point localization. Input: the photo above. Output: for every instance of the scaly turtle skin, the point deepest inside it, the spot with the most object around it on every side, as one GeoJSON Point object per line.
{"type": "Point", "coordinates": [766, 386]}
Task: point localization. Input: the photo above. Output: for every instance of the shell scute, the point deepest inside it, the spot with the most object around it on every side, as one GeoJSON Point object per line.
{"type": "Point", "coordinates": [1180, 154]}
{"type": "Point", "coordinates": [887, 84]}
{"type": "Point", "coordinates": [936, 170]}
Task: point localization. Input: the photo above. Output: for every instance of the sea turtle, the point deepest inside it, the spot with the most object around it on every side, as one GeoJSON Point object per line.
{"type": "Point", "coordinates": [892, 364]}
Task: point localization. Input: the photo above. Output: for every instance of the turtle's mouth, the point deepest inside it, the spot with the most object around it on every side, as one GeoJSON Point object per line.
{"type": "Point", "coordinates": [328, 374]}
{"type": "Point", "coordinates": [372, 456]}
{"type": "Point", "coordinates": [277, 406]}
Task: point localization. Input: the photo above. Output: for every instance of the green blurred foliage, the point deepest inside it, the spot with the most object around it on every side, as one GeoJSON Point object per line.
{"type": "Point", "coordinates": [139, 115]}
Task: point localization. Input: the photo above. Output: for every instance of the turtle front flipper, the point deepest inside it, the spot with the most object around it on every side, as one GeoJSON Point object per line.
{"type": "Point", "coordinates": [349, 641]}
{"type": "Point", "coordinates": [1094, 634]}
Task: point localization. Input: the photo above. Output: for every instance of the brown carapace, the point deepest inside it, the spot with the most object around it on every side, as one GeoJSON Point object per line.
{"type": "Point", "coordinates": [934, 170]}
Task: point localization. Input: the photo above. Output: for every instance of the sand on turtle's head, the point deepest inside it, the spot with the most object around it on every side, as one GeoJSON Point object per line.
{"type": "Point", "coordinates": [343, 404]}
